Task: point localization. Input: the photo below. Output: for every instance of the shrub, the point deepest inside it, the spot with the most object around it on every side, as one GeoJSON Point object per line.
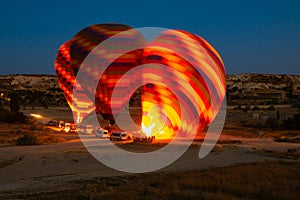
{"type": "Point", "coordinates": [26, 139]}
{"type": "Point", "coordinates": [238, 107]}
{"type": "Point", "coordinates": [272, 123]}
{"type": "Point", "coordinates": [246, 109]}
{"type": "Point", "coordinates": [14, 102]}
{"type": "Point", "coordinates": [292, 123]}
{"type": "Point", "coordinates": [11, 117]}
{"type": "Point", "coordinates": [271, 107]}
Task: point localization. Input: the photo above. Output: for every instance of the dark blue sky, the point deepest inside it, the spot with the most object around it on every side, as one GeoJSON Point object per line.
{"type": "Point", "coordinates": [251, 36]}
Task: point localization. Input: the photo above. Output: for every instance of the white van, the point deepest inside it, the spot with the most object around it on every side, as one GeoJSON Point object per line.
{"type": "Point", "coordinates": [120, 136]}
{"type": "Point", "coordinates": [101, 133]}
{"type": "Point", "coordinates": [89, 129]}
{"type": "Point", "coordinates": [85, 129]}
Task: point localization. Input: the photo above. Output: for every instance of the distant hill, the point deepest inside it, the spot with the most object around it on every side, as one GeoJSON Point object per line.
{"type": "Point", "coordinates": [34, 90]}
{"type": "Point", "coordinates": [242, 89]}
{"type": "Point", "coordinates": [263, 89]}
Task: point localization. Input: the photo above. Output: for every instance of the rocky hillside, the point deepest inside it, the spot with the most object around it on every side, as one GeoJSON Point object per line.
{"type": "Point", "coordinates": [263, 89]}
{"type": "Point", "coordinates": [243, 89]}
{"type": "Point", "coordinates": [33, 90]}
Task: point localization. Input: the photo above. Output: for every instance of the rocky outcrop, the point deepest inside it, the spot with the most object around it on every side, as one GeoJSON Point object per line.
{"type": "Point", "coordinates": [242, 89]}
{"type": "Point", "coordinates": [249, 89]}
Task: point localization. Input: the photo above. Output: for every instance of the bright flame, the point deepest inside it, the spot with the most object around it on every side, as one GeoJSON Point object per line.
{"type": "Point", "coordinates": [154, 122]}
{"type": "Point", "coordinates": [36, 115]}
{"type": "Point", "coordinates": [147, 129]}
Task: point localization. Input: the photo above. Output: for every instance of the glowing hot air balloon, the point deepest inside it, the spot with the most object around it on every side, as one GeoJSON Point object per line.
{"type": "Point", "coordinates": [70, 57]}
{"type": "Point", "coordinates": [190, 59]}
{"type": "Point", "coordinates": [110, 67]}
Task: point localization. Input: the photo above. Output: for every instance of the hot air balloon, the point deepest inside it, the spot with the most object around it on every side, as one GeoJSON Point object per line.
{"type": "Point", "coordinates": [190, 59]}
{"type": "Point", "coordinates": [69, 59]}
{"type": "Point", "coordinates": [111, 61]}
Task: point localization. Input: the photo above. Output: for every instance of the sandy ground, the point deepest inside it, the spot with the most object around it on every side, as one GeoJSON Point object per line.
{"type": "Point", "coordinates": [49, 167]}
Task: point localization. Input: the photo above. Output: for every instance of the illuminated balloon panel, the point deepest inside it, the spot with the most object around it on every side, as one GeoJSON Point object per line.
{"type": "Point", "coordinates": [88, 38]}
{"type": "Point", "coordinates": [203, 57]}
{"type": "Point", "coordinates": [112, 43]}
{"type": "Point", "coordinates": [180, 74]}
{"type": "Point", "coordinates": [190, 59]}
{"type": "Point", "coordinates": [80, 106]}
{"type": "Point", "coordinates": [108, 81]}
{"type": "Point", "coordinates": [64, 72]}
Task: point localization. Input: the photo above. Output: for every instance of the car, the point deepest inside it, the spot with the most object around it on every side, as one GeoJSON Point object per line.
{"type": "Point", "coordinates": [80, 129]}
{"type": "Point", "coordinates": [120, 136]}
{"type": "Point", "coordinates": [68, 128]}
{"type": "Point", "coordinates": [85, 129]}
{"type": "Point", "coordinates": [101, 133]}
{"type": "Point", "coordinates": [65, 128]}
{"type": "Point", "coordinates": [110, 128]}
{"type": "Point", "coordinates": [61, 123]}
{"type": "Point", "coordinates": [73, 128]}
{"type": "Point", "coordinates": [52, 123]}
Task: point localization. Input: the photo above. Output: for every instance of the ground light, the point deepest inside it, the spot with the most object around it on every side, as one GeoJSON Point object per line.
{"type": "Point", "coordinates": [36, 116]}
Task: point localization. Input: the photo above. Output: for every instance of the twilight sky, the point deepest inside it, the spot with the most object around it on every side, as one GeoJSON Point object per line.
{"type": "Point", "coordinates": [251, 36]}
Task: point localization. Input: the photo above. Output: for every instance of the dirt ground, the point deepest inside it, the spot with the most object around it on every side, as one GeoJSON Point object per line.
{"type": "Point", "coordinates": [56, 166]}
{"type": "Point", "coordinates": [48, 167]}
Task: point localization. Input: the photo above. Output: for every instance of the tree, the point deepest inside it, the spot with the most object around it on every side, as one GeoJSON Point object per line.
{"type": "Point", "coordinates": [292, 123]}
{"type": "Point", "coordinates": [14, 102]}
{"type": "Point", "coordinates": [272, 123]}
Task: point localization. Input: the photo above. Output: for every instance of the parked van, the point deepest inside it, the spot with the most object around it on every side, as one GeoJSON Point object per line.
{"type": "Point", "coordinates": [101, 133]}
{"type": "Point", "coordinates": [120, 136]}
{"type": "Point", "coordinates": [89, 129]}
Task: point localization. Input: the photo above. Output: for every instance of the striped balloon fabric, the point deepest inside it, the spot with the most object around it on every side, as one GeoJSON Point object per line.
{"type": "Point", "coordinates": [82, 105]}
{"type": "Point", "coordinates": [72, 54]}
{"type": "Point", "coordinates": [193, 67]}
{"type": "Point", "coordinates": [111, 61]}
